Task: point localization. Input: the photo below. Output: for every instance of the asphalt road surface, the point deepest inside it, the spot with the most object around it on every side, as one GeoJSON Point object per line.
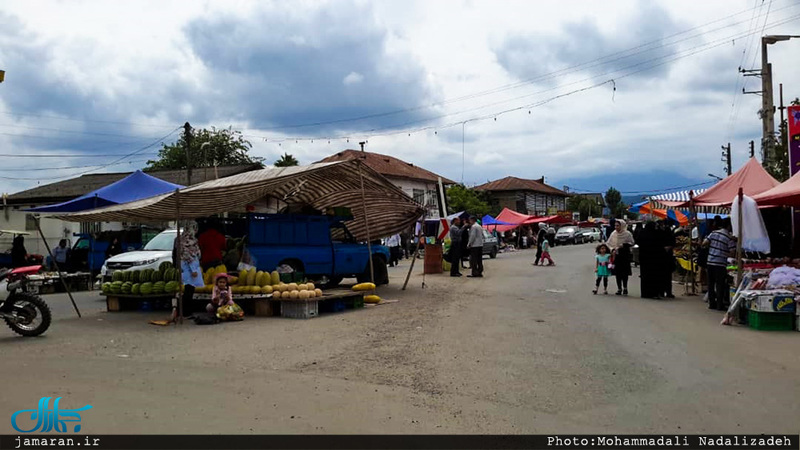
{"type": "Point", "coordinates": [524, 350]}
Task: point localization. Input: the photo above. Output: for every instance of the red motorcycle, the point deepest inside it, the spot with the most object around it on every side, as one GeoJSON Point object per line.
{"type": "Point", "coordinates": [25, 313]}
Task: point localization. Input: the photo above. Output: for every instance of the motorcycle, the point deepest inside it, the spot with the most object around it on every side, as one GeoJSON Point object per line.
{"type": "Point", "coordinates": [25, 313]}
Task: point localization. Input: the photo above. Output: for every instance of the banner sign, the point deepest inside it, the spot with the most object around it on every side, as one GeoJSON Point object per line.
{"type": "Point", "coordinates": [794, 139]}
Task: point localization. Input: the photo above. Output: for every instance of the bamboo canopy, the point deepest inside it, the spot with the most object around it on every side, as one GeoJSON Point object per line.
{"type": "Point", "coordinates": [382, 206]}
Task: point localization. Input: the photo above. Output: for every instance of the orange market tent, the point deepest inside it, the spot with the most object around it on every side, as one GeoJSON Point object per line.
{"type": "Point", "coordinates": [752, 178]}
{"type": "Point", "coordinates": [785, 194]}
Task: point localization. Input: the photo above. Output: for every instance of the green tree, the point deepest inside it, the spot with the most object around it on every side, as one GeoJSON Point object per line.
{"type": "Point", "coordinates": [286, 160]}
{"type": "Point", "coordinates": [779, 167]}
{"type": "Point", "coordinates": [460, 198]}
{"type": "Point", "coordinates": [614, 202]}
{"type": "Point", "coordinates": [225, 147]}
{"type": "Point", "coordinates": [585, 206]}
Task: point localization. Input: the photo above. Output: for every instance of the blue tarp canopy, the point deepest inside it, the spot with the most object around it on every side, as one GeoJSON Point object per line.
{"type": "Point", "coordinates": [135, 186]}
{"type": "Point", "coordinates": [489, 220]}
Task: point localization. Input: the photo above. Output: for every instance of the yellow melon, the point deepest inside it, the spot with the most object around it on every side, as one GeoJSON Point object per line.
{"type": "Point", "coordinates": [372, 299]}
{"type": "Point", "coordinates": [364, 287]}
{"type": "Point", "coordinates": [318, 292]}
{"type": "Point", "coordinates": [293, 286]}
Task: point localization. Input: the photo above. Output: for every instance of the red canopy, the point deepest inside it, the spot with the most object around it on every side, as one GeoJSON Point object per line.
{"type": "Point", "coordinates": [518, 219]}
{"type": "Point", "coordinates": [785, 194]}
{"type": "Point", "coordinates": [752, 178]}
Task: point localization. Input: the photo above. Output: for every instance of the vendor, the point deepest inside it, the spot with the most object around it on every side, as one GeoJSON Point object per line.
{"type": "Point", "coordinates": [19, 256]}
{"type": "Point", "coordinates": [60, 254]}
{"type": "Point", "coordinates": [114, 248]}
{"type": "Point", "coordinates": [212, 244]}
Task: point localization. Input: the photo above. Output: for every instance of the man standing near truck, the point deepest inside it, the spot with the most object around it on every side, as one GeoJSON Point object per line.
{"type": "Point", "coordinates": [475, 248]}
{"type": "Point", "coordinates": [393, 242]}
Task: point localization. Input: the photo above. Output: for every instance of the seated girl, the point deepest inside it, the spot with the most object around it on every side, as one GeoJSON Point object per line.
{"type": "Point", "coordinates": [221, 295]}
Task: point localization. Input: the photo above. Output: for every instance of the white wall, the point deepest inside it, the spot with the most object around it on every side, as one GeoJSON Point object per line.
{"type": "Point", "coordinates": [431, 200]}
{"type": "Point", "coordinates": [13, 218]}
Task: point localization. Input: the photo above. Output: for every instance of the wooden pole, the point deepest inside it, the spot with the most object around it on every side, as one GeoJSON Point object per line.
{"type": "Point", "coordinates": [691, 244]}
{"type": "Point", "coordinates": [414, 259]}
{"type": "Point", "coordinates": [179, 253]}
{"type": "Point", "coordinates": [366, 223]}
{"type": "Point", "coordinates": [739, 268]}
{"type": "Point", "coordinates": [58, 269]}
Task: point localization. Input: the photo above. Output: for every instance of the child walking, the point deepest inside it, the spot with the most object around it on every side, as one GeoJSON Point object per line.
{"type": "Point", "coordinates": [546, 253]}
{"type": "Point", "coordinates": [602, 260]}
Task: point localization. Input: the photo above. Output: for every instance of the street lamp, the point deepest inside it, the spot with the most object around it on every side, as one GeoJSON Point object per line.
{"type": "Point", "coordinates": [714, 176]}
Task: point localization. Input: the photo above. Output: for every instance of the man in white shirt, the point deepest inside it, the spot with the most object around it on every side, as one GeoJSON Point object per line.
{"type": "Point", "coordinates": [475, 248]}
{"type": "Point", "coordinates": [393, 242]}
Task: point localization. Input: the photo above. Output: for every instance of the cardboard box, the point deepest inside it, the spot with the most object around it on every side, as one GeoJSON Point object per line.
{"type": "Point", "coordinates": [770, 301]}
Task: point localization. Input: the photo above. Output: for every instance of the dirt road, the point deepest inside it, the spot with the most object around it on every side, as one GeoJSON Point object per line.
{"type": "Point", "coordinates": [524, 350]}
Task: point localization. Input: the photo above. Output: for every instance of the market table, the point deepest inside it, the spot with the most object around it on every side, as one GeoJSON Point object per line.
{"type": "Point", "coordinates": [48, 282]}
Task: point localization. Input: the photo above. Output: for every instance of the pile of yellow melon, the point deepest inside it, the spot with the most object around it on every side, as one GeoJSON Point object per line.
{"type": "Point", "coordinates": [295, 291]}
{"type": "Point", "coordinates": [367, 287]}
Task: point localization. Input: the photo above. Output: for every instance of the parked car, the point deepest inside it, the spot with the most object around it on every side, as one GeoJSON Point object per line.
{"type": "Point", "coordinates": [567, 235]}
{"type": "Point", "coordinates": [491, 245]}
{"type": "Point", "coordinates": [590, 234]}
{"type": "Point", "coordinates": [158, 250]}
{"type": "Point", "coordinates": [319, 246]}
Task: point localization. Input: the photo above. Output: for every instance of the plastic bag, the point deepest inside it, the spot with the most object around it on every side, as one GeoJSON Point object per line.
{"type": "Point", "coordinates": [284, 268]}
{"type": "Point", "coordinates": [754, 233]}
{"type": "Point", "coordinates": [230, 312]}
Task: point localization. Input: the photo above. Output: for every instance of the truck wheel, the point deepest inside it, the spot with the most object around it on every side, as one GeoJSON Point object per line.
{"type": "Point", "coordinates": [380, 270]}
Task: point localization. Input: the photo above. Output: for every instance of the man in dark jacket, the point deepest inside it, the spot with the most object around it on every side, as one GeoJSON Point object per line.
{"type": "Point", "coordinates": [455, 248]}
{"type": "Point", "coordinates": [464, 242]}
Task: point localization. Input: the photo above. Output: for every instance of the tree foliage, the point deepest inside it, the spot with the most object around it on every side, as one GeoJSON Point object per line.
{"type": "Point", "coordinates": [286, 160]}
{"type": "Point", "coordinates": [614, 203]}
{"type": "Point", "coordinates": [224, 147]}
{"type": "Point", "coordinates": [584, 205]}
{"type": "Point", "coordinates": [460, 198]}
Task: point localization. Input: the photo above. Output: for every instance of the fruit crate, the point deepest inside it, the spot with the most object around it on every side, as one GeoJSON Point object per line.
{"type": "Point", "coordinates": [332, 306]}
{"type": "Point", "coordinates": [770, 321]}
{"type": "Point", "coordinates": [300, 309]}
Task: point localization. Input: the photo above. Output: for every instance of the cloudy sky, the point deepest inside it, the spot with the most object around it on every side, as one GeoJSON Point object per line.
{"type": "Point", "coordinates": [635, 94]}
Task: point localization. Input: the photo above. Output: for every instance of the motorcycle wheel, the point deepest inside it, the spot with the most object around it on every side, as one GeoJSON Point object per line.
{"type": "Point", "coordinates": [37, 315]}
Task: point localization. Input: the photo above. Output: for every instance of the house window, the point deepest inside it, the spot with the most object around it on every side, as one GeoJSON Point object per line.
{"type": "Point", "coordinates": [90, 227]}
{"type": "Point", "coordinates": [30, 222]}
{"type": "Point", "coordinates": [431, 197]}
{"type": "Point", "coordinates": [419, 196]}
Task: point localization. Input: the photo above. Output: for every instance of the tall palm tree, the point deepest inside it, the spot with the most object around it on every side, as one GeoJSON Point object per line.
{"type": "Point", "coordinates": [286, 160]}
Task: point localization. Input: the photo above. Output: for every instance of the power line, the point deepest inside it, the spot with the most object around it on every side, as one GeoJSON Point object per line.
{"type": "Point", "coordinates": [36, 169]}
{"type": "Point", "coordinates": [653, 191]}
{"type": "Point", "coordinates": [62, 155]}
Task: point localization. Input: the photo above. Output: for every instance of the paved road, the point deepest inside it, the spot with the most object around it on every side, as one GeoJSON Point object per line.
{"type": "Point", "coordinates": [524, 350]}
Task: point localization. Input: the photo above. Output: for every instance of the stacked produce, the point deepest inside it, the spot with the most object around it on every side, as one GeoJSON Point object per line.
{"type": "Point", "coordinates": [367, 287]}
{"type": "Point", "coordinates": [144, 282]}
{"type": "Point", "coordinates": [295, 291]}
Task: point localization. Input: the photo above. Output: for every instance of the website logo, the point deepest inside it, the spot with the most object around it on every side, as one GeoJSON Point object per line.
{"type": "Point", "coordinates": [50, 419]}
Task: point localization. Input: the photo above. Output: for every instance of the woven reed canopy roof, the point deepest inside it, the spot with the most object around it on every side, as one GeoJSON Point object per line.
{"type": "Point", "coordinates": [320, 185]}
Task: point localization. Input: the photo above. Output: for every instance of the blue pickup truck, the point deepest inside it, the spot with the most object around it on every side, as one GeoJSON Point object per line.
{"type": "Point", "coordinates": [319, 246]}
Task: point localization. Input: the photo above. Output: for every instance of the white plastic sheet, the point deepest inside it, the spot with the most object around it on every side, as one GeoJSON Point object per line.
{"type": "Point", "coordinates": [754, 233]}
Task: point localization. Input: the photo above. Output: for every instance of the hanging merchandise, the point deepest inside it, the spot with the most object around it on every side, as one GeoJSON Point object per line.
{"type": "Point", "coordinates": [754, 234]}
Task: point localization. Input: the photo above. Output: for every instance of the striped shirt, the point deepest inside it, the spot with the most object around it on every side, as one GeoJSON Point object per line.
{"type": "Point", "coordinates": [721, 246]}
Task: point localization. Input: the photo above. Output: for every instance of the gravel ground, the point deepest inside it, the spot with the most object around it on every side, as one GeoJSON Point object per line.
{"type": "Point", "coordinates": [524, 350]}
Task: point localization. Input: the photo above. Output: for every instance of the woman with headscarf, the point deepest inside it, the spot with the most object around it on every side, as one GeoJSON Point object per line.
{"type": "Point", "coordinates": [189, 263]}
{"type": "Point", "coordinates": [668, 262]}
{"type": "Point", "coordinates": [651, 261]}
{"type": "Point", "coordinates": [620, 243]}
{"type": "Point", "coordinates": [19, 256]}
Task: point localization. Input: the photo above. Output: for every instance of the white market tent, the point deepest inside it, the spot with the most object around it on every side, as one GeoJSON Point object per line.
{"type": "Point", "coordinates": [381, 206]}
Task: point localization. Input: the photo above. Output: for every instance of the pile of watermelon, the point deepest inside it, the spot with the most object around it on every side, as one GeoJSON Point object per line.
{"type": "Point", "coordinates": [165, 280]}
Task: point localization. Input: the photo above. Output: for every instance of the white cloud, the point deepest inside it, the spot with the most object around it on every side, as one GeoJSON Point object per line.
{"type": "Point", "coordinates": [353, 78]}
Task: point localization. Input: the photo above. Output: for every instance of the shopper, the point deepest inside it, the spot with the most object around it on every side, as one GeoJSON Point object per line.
{"type": "Point", "coordinates": [114, 248]}
{"type": "Point", "coordinates": [60, 254]}
{"type": "Point", "coordinates": [721, 245]}
{"type": "Point", "coordinates": [650, 259]}
{"type": "Point", "coordinates": [212, 244]}
{"type": "Point", "coordinates": [404, 244]}
{"type": "Point", "coordinates": [189, 263]}
{"type": "Point", "coordinates": [668, 263]}
{"type": "Point", "coordinates": [620, 242]}
{"type": "Point", "coordinates": [540, 238]}
{"type": "Point", "coordinates": [393, 242]}
{"type": "Point", "coordinates": [475, 248]}
{"type": "Point", "coordinates": [601, 268]}
{"type": "Point", "coordinates": [455, 248]}
{"type": "Point", "coordinates": [19, 256]}
{"type": "Point", "coordinates": [546, 253]}
{"type": "Point", "coordinates": [465, 251]}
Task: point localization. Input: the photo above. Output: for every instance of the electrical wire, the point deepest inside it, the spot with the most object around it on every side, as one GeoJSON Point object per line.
{"type": "Point", "coordinates": [32, 169]}
{"type": "Point", "coordinates": [652, 191]}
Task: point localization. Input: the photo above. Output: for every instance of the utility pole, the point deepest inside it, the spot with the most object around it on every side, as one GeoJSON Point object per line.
{"type": "Point", "coordinates": [752, 148]}
{"type": "Point", "coordinates": [726, 157]}
{"type": "Point", "coordinates": [767, 103]}
{"type": "Point", "coordinates": [362, 143]}
{"type": "Point", "coordinates": [187, 138]}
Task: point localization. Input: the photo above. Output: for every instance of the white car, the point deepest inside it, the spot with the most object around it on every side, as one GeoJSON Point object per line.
{"type": "Point", "coordinates": [157, 251]}
{"type": "Point", "coordinates": [591, 234]}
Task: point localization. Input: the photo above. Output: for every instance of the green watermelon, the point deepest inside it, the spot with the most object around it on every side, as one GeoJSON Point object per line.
{"type": "Point", "coordinates": [146, 288]}
{"type": "Point", "coordinates": [126, 287]}
{"type": "Point", "coordinates": [157, 276]}
{"type": "Point", "coordinates": [116, 276]}
{"type": "Point", "coordinates": [158, 287]}
{"type": "Point", "coordinates": [106, 288]}
{"type": "Point", "coordinates": [144, 277]}
{"type": "Point", "coordinates": [134, 276]}
{"type": "Point", "coordinates": [135, 289]}
{"type": "Point", "coordinates": [164, 266]}
{"type": "Point", "coordinates": [171, 287]}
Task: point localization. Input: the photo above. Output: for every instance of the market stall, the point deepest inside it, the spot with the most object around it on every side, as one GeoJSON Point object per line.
{"type": "Point", "coordinates": [766, 299]}
{"type": "Point", "coordinates": [379, 207]}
